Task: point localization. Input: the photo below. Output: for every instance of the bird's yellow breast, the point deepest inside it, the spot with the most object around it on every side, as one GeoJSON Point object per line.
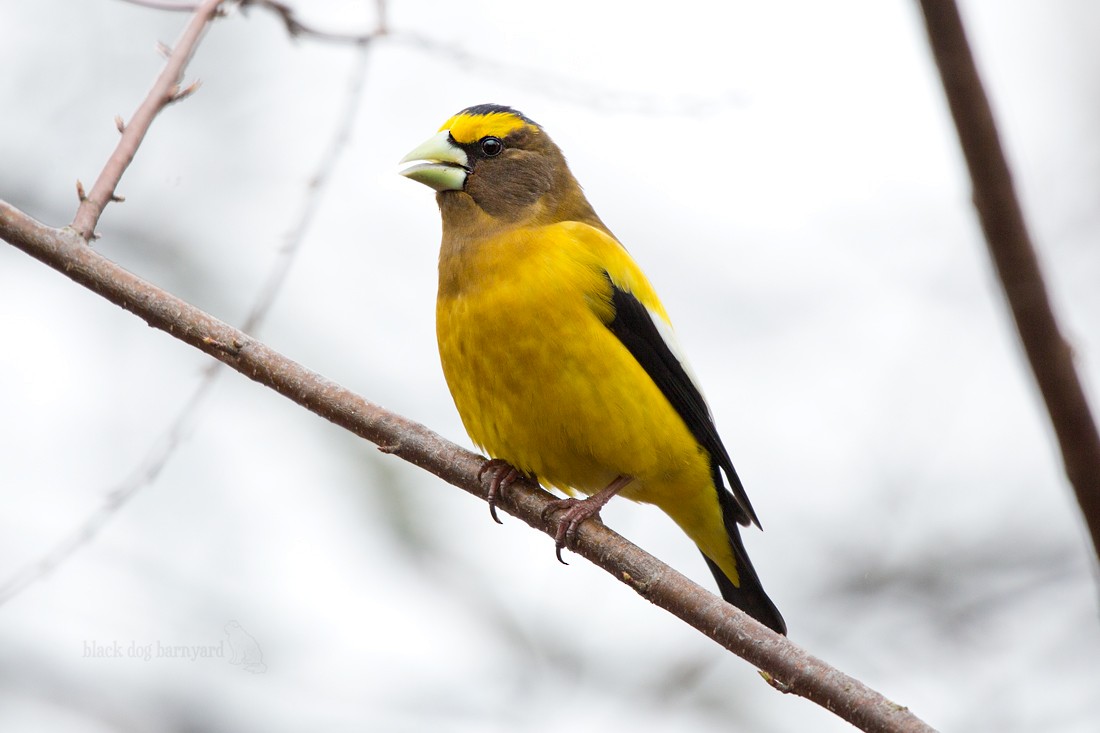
{"type": "Point", "coordinates": [538, 378]}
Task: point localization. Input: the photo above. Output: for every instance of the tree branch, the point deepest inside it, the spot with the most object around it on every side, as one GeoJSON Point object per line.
{"type": "Point", "coordinates": [165, 90]}
{"type": "Point", "coordinates": [1013, 254]}
{"type": "Point", "coordinates": [788, 667]}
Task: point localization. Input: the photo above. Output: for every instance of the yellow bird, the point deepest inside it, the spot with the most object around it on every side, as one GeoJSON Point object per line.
{"type": "Point", "coordinates": [561, 360]}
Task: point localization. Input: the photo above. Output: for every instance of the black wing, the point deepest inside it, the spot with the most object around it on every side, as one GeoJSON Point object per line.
{"type": "Point", "coordinates": [634, 327]}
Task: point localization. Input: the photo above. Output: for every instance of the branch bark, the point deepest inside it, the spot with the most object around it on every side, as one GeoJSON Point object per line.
{"type": "Point", "coordinates": [1010, 246]}
{"type": "Point", "coordinates": [788, 667]}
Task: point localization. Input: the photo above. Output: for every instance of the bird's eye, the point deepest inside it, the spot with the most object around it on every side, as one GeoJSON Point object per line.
{"type": "Point", "coordinates": [491, 146]}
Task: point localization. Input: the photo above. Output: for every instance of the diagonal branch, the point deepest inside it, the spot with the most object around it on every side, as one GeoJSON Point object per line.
{"type": "Point", "coordinates": [788, 667]}
{"type": "Point", "coordinates": [1010, 246]}
{"type": "Point", "coordinates": [165, 90]}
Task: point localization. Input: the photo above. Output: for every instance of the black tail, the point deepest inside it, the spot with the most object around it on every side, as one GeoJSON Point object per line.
{"type": "Point", "coordinates": [750, 596]}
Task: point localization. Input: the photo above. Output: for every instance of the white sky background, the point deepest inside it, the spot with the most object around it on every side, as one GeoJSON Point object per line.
{"type": "Point", "coordinates": [787, 176]}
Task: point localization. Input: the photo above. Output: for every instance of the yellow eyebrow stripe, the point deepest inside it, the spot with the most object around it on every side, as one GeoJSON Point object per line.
{"type": "Point", "coordinates": [467, 128]}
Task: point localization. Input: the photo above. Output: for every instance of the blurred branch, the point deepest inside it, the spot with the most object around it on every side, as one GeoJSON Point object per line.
{"type": "Point", "coordinates": [163, 450]}
{"type": "Point", "coordinates": [114, 499]}
{"type": "Point", "coordinates": [165, 90]}
{"type": "Point", "coordinates": [573, 90]}
{"type": "Point", "coordinates": [787, 667]}
{"type": "Point", "coordinates": [1013, 254]}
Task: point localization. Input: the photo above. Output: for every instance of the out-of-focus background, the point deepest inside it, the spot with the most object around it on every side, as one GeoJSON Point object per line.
{"type": "Point", "coordinates": [787, 175]}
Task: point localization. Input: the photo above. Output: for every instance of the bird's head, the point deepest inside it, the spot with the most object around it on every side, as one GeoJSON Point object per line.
{"type": "Point", "coordinates": [490, 160]}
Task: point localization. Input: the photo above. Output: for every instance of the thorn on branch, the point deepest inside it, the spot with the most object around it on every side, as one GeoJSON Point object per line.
{"type": "Point", "coordinates": [640, 586]}
{"type": "Point", "coordinates": [80, 191]}
{"type": "Point", "coordinates": [774, 682]}
{"type": "Point", "coordinates": [163, 49]}
{"type": "Point", "coordinates": [117, 198]}
{"type": "Point", "coordinates": [119, 124]}
{"type": "Point", "coordinates": [389, 448]}
{"type": "Point", "coordinates": [179, 96]}
{"type": "Point", "coordinates": [233, 348]}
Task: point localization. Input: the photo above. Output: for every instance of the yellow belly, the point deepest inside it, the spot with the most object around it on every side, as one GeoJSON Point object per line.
{"type": "Point", "coordinates": [540, 381]}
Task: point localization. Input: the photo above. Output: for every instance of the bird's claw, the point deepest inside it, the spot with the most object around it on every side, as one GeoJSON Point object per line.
{"type": "Point", "coordinates": [501, 475]}
{"type": "Point", "coordinates": [574, 511]}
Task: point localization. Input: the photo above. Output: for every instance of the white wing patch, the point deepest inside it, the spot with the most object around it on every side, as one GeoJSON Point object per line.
{"type": "Point", "coordinates": [664, 328]}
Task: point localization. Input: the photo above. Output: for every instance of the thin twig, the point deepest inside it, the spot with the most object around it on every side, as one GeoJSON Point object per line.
{"type": "Point", "coordinates": [1013, 254]}
{"type": "Point", "coordinates": [165, 91]}
{"type": "Point", "coordinates": [787, 666]}
{"type": "Point", "coordinates": [162, 451]}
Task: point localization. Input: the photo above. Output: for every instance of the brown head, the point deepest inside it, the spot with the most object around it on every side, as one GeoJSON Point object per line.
{"type": "Point", "coordinates": [492, 165]}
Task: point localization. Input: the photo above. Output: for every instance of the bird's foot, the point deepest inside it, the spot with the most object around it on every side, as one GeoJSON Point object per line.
{"type": "Point", "coordinates": [502, 475]}
{"type": "Point", "coordinates": [575, 511]}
